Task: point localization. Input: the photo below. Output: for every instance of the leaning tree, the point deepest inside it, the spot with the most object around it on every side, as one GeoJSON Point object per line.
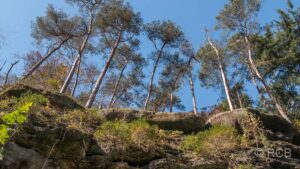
{"type": "Point", "coordinates": [238, 16]}
{"type": "Point", "coordinates": [164, 35]}
{"type": "Point", "coordinates": [53, 31]}
{"type": "Point", "coordinates": [117, 23]}
{"type": "Point", "coordinates": [213, 72]}
{"type": "Point", "coordinates": [88, 9]}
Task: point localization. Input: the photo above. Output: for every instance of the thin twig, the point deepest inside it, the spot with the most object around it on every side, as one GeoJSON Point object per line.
{"type": "Point", "coordinates": [52, 148]}
{"type": "Point", "coordinates": [2, 66]}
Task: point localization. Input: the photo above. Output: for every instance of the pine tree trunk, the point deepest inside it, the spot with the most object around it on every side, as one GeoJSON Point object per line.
{"type": "Point", "coordinates": [262, 97]}
{"type": "Point", "coordinates": [117, 98]}
{"type": "Point", "coordinates": [192, 90]}
{"type": "Point", "coordinates": [36, 66]}
{"type": "Point", "coordinates": [117, 84]}
{"type": "Point", "coordinates": [171, 102]}
{"type": "Point", "coordinates": [152, 77]}
{"type": "Point", "coordinates": [264, 84]}
{"type": "Point", "coordinates": [225, 83]}
{"type": "Point", "coordinates": [95, 90]}
{"type": "Point", "coordinates": [165, 104]}
{"type": "Point", "coordinates": [76, 79]}
{"type": "Point", "coordinates": [77, 60]}
{"type": "Point", "coordinates": [239, 98]}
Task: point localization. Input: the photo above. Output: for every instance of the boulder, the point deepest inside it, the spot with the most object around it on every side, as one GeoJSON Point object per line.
{"type": "Point", "coordinates": [185, 122]}
{"type": "Point", "coordinates": [56, 100]}
{"type": "Point", "coordinates": [275, 127]}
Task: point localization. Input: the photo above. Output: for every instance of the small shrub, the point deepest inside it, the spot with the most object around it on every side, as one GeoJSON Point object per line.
{"type": "Point", "coordinates": [114, 135]}
{"type": "Point", "coordinates": [215, 142]}
{"type": "Point", "coordinates": [4, 104]}
{"type": "Point", "coordinates": [121, 135]}
{"type": "Point", "coordinates": [297, 124]}
{"type": "Point", "coordinates": [143, 134]}
{"type": "Point", "coordinates": [36, 99]}
{"type": "Point", "coordinates": [53, 84]}
{"type": "Point", "coordinates": [253, 133]}
{"type": "Point", "coordinates": [86, 121]}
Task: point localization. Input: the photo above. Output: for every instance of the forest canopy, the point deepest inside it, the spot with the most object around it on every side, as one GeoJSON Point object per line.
{"type": "Point", "coordinates": [264, 55]}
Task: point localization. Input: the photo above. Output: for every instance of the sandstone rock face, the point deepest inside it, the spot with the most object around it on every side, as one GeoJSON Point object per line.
{"type": "Point", "coordinates": [46, 142]}
{"type": "Point", "coordinates": [55, 99]}
{"type": "Point", "coordinates": [185, 122]}
{"type": "Point", "coordinates": [43, 142]}
{"type": "Point", "coordinates": [275, 127]}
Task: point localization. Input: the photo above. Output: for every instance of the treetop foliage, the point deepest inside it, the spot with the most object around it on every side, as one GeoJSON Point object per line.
{"type": "Point", "coordinates": [237, 15]}
{"type": "Point", "coordinates": [165, 33]}
{"type": "Point", "coordinates": [56, 25]}
{"type": "Point", "coordinates": [95, 56]}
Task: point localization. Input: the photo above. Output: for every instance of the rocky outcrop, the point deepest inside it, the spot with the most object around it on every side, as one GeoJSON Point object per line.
{"type": "Point", "coordinates": [275, 127]}
{"type": "Point", "coordinates": [47, 141]}
{"type": "Point", "coordinates": [57, 100]}
{"type": "Point", "coordinates": [185, 122]}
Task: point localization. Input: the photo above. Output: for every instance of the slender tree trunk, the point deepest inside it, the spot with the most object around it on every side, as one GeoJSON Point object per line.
{"type": "Point", "coordinates": [117, 84]}
{"type": "Point", "coordinates": [165, 104]}
{"type": "Point", "coordinates": [8, 72]}
{"type": "Point", "coordinates": [95, 90]}
{"type": "Point", "coordinates": [36, 66]}
{"type": "Point", "coordinates": [77, 60]}
{"type": "Point", "coordinates": [261, 95]}
{"type": "Point", "coordinates": [240, 99]}
{"type": "Point", "coordinates": [152, 77]}
{"type": "Point", "coordinates": [191, 82]}
{"type": "Point", "coordinates": [118, 97]}
{"type": "Point", "coordinates": [76, 79]}
{"type": "Point", "coordinates": [225, 83]}
{"type": "Point", "coordinates": [264, 84]}
{"type": "Point", "coordinates": [171, 102]}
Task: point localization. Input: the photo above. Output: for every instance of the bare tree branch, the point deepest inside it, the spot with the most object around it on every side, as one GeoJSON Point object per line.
{"type": "Point", "coordinates": [9, 70]}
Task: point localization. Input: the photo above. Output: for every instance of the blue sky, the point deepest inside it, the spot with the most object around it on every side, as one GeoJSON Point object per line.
{"type": "Point", "coordinates": [190, 15]}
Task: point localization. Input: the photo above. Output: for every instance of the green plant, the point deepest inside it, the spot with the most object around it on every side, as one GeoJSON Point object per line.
{"type": "Point", "coordinates": [3, 133]}
{"type": "Point", "coordinates": [13, 119]}
{"type": "Point", "coordinates": [4, 104]}
{"type": "Point", "coordinates": [18, 116]}
{"type": "Point", "coordinates": [253, 133]}
{"type": "Point", "coordinates": [115, 135]}
{"type": "Point", "coordinates": [297, 124]}
{"type": "Point", "coordinates": [86, 121]}
{"type": "Point", "coordinates": [12, 103]}
{"type": "Point", "coordinates": [36, 99]}
{"type": "Point", "coordinates": [143, 134]}
{"type": "Point", "coordinates": [53, 83]}
{"type": "Point", "coordinates": [121, 135]}
{"type": "Point", "coordinates": [218, 141]}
